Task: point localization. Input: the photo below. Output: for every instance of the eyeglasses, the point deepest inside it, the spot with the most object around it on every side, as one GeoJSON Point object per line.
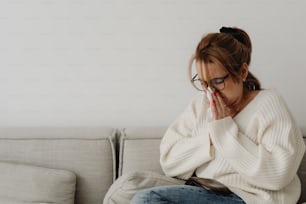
{"type": "Point", "coordinates": [217, 83]}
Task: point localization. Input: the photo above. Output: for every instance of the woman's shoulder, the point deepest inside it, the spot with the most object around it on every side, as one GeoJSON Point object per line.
{"type": "Point", "coordinates": [195, 100]}
{"type": "Point", "coordinates": [270, 100]}
{"type": "Point", "coordinates": [196, 104]}
{"type": "Point", "coordinates": [270, 95]}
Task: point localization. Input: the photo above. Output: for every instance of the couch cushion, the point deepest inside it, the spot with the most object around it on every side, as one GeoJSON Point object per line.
{"type": "Point", "coordinates": [87, 152]}
{"type": "Point", "coordinates": [139, 150]}
{"type": "Point", "coordinates": [302, 176]}
{"type": "Point", "coordinates": [31, 184]}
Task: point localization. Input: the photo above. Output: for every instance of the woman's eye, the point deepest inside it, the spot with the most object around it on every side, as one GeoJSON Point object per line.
{"type": "Point", "coordinates": [217, 81]}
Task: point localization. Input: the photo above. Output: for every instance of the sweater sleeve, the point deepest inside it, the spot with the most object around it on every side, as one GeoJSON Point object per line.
{"type": "Point", "coordinates": [273, 160]}
{"type": "Point", "coordinates": [184, 148]}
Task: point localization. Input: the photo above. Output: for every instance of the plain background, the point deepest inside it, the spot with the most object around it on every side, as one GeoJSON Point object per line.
{"type": "Point", "coordinates": [123, 63]}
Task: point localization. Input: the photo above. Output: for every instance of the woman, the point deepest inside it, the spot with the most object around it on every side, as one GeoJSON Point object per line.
{"type": "Point", "coordinates": [241, 136]}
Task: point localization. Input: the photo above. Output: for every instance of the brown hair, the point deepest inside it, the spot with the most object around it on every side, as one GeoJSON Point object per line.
{"type": "Point", "coordinates": [231, 47]}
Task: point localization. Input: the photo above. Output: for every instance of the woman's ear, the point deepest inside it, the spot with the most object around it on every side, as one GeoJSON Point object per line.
{"type": "Point", "coordinates": [244, 71]}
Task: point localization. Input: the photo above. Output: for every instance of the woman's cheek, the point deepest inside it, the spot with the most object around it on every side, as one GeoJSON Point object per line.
{"type": "Point", "coordinates": [225, 98]}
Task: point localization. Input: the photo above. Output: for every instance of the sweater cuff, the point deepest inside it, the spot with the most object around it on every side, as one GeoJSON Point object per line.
{"type": "Point", "coordinates": [206, 148]}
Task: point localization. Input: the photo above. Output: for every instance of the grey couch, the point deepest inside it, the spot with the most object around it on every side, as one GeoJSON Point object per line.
{"type": "Point", "coordinates": [76, 165]}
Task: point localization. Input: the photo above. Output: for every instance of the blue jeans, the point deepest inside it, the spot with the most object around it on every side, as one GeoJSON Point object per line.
{"type": "Point", "coordinates": [183, 194]}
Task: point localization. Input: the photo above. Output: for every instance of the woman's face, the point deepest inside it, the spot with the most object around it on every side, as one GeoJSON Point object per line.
{"type": "Point", "coordinates": [231, 91]}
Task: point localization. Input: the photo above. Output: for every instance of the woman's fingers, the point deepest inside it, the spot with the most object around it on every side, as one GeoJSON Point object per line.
{"type": "Point", "coordinates": [219, 108]}
{"type": "Point", "coordinates": [216, 109]}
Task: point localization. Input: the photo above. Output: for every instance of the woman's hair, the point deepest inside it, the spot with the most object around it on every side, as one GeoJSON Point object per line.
{"type": "Point", "coordinates": [231, 47]}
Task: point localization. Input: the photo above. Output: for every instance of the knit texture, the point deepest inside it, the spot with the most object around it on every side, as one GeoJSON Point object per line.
{"type": "Point", "coordinates": [256, 154]}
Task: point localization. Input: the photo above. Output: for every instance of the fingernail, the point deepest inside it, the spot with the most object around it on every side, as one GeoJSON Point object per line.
{"type": "Point", "coordinates": [215, 93]}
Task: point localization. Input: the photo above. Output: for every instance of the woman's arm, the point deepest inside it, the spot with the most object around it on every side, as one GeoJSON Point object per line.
{"type": "Point", "coordinates": [273, 161]}
{"type": "Point", "coordinates": [185, 147]}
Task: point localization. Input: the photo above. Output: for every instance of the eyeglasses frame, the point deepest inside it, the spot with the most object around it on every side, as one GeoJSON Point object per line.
{"type": "Point", "coordinates": [193, 79]}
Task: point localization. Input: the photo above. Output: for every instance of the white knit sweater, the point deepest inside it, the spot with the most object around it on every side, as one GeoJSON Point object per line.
{"type": "Point", "coordinates": [256, 153]}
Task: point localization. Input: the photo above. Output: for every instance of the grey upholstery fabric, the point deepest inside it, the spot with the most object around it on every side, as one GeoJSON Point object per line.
{"type": "Point", "coordinates": [139, 150]}
{"type": "Point", "coordinates": [302, 176]}
{"type": "Point", "coordinates": [31, 184]}
{"type": "Point", "coordinates": [87, 152]}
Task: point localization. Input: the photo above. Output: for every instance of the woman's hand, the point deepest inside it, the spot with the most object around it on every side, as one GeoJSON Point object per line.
{"type": "Point", "coordinates": [219, 108]}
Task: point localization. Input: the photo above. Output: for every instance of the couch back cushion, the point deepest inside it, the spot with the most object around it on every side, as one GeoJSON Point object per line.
{"type": "Point", "coordinates": [87, 152]}
{"type": "Point", "coordinates": [139, 150]}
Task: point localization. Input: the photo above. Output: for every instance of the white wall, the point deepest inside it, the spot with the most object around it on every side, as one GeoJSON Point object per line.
{"type": "Point", "coordinates": [123, 63]}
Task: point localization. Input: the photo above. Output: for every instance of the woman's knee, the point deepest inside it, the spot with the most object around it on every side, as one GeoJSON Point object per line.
{"type": "Point", "coordinates": [141, 197]}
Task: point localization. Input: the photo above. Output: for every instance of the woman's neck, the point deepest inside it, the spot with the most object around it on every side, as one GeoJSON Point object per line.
{"type": "Point", "coordinates": [245, 99]}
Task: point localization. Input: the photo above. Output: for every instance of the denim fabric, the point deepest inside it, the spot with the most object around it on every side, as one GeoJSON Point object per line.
{"type": "Point", "coordinates": [183, 194]}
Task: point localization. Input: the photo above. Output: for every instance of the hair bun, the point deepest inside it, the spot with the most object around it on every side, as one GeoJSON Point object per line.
{"type": "Point", "coordinates": [228, 30]}
{"type": "Point", "coordinates": [233, 32]}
